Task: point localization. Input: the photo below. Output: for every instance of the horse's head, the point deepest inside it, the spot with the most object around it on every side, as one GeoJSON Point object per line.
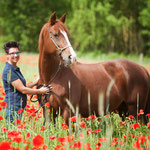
{"type": "Point", "coordinates": [58, 34]}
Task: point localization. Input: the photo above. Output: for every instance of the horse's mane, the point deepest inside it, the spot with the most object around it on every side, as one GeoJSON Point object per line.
{"type": "Point", "coordinates": [41, 38]}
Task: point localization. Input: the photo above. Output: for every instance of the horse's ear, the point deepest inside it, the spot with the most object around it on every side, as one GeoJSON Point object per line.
{"type": "Point", "coordinates": [52, 20]}
{"type": "Point", "coordinates": [63, 18]}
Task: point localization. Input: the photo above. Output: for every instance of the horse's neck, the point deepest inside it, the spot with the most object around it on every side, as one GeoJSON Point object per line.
{"type": "Point", "coordinates": [48, 67]}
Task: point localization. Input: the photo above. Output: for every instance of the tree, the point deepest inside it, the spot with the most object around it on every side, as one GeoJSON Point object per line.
{"type": "Point", "coordinates": [144, 20]}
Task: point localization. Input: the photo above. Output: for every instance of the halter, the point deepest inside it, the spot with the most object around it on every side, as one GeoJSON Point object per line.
{"type": "Point", "coordinates": [59, 49]}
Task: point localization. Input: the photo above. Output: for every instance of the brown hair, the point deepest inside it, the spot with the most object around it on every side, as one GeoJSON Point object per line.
{"type": "Point", "coordinates": [9, 45]}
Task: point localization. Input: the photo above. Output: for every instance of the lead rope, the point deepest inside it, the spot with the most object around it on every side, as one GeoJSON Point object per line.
{"type": "Point", "coordinates": [48, 82]}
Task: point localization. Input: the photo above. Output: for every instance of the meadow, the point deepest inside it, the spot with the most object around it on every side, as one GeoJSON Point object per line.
{"type": "Point", "coordinates": [92, 133]}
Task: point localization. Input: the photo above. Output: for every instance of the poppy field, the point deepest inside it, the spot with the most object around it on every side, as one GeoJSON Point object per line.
{"type": "Point", "coordinates": [92, 133]}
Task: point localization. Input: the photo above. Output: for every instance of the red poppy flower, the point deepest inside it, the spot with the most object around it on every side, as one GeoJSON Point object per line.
{"type": "Point", "coordinates": [89, 130]}
{"type": "Point", "coordinates": [82, 124]}
{"type": "Point", "coordinates": [142, 140]}
{"type": "Point", "coordinates": [28, 106]}
{"type": "Point", "coordinates": [17, 121]}
{"type": "Point", "coordinates": [69, 138]}
{"type": "Point", "coordinates": [114, 142]}
{"type": "Point", "coordinates": [27, 147]}
{"type": "Point", "coordinates": [122, 143]}
{"type": "Point", "coordinates": [1, 98]}
{"type": "Point", "coordinates": [33, 114]}
{"type": "Point", "coordinates": [137, 145]}
{"type": "Point", "coordinates": [64, 126]}
{"type": "Point", "coordinates": [35, 97]}
{"type": "Point", "coordinates": [133, 136]}
{"type": "Point", "coordinates": [74, 118]}
{"type": "Point", "coordinates": [141, 112]}
{"type": "Point", "coordinates": [148, 125]}
{"type": "Point", "coordinates": [36, 118]}
{"type": "Point", "coordinates": [42, 128]}
{"type": "Point", "coordinates": [3, 93]}
{"type": "Point", "coordinates": [92, 117]}
{"type": "Point", "coordinates": [148, 137]}
{"type": "Point", "coordinates": [17, 139]}
{"type": "Point", "coordinates": [3, 104]}
{"type": "Point", "coordinates": [61, 139]}
{"type": "Point", "coordinates": [148, 115]}
{"type": "Point", "coordinates": [0, 108]}
{"type": "Point", "coordinates": [125, 138]}
{"type": "Point", "coordinates": [130, 117]}
{"type": "Point", "coordinates": [136, 125]}
{"type": "Point", "coordinates": [58, 147]}
{"type": "Point", "coordinates": [5, 145]}
{"type": "Point", "coordinates": [28, 135]}
{"type": "Point", "coordinates": [4, 129]}
{"type": "Point", "coordinates": [1, 118]}
{"type": "Point", "coordinates": [52, 137]}
{"type": "Point", "coordinates": [97, 130]}
{"type": "Point", "coordinates": [103, 139]}
{"type": "Point", "coordinates": [98, 144]}
{"type": "Point", "coordinates": [20, 111]}
{"type": "Point", "coordinates": [13, 134]}
{"type": "Point", "coordinates": [38, 141]}
{"type": "Point", "coordinates": [44, 147]}
{"type": "Point", "coordinates": [122, 123]}
{"type": "Point", "coordinates": [47, 104]}
{"type": "Point", "coordinates": [77, 144]}
{"type": "Point", "coordinates": [21, 126]}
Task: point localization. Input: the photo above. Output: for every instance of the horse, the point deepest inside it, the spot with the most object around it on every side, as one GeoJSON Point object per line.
{"type": "Point", "coordinates": [122, 85]}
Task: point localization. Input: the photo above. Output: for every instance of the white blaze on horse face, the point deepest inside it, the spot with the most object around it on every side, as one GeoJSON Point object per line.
{"type": "Point", "coordinates": [73, 54]}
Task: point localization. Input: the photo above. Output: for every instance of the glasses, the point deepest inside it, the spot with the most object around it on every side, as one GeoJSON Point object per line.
{"type": "Point", "coordinates": [14, 54]}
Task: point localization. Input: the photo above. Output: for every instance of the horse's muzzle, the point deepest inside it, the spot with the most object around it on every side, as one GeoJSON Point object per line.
{"type": "Point", "coordinates": [69, 62]}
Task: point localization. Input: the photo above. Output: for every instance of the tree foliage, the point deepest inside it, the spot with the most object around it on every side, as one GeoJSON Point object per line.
{"type": "Point", "coordinates": [106, 25]}
{"type": "Point", "coordinates": [22, 20]}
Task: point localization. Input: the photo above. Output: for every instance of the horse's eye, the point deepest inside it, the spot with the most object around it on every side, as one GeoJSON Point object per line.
{"type": "Point", "coordinates": [56, 35]}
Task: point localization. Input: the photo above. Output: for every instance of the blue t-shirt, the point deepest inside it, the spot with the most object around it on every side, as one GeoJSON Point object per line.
{"type": "Point", "coordinates": [13, 98]}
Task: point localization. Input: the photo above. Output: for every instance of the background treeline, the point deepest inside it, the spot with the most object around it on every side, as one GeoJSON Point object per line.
{"type": "Point", "coordinates": [104, 25]}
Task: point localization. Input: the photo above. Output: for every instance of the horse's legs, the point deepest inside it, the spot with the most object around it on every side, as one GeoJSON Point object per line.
{"type": "Point", "coordinates": [132, 109]}
{"type": "Point", "coordinates": [137, 102]}
{"type": "Point", "coordinates": [66, 115]}
{"type": "Point", "coordinates": [123, 109]}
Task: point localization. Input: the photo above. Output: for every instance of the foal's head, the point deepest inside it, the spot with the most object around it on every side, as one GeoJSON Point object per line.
{"type": "Point", "coordinates": [58, 35]}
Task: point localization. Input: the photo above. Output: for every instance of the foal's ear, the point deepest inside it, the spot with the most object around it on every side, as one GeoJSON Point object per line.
{"type": "Point", "coordinates": [52, 20]}
{"type": "Point", "coordinates": [63, 18]}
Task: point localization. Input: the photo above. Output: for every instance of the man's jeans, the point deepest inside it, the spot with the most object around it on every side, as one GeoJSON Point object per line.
{"type": "Point", "coordinates": [11, 115]}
